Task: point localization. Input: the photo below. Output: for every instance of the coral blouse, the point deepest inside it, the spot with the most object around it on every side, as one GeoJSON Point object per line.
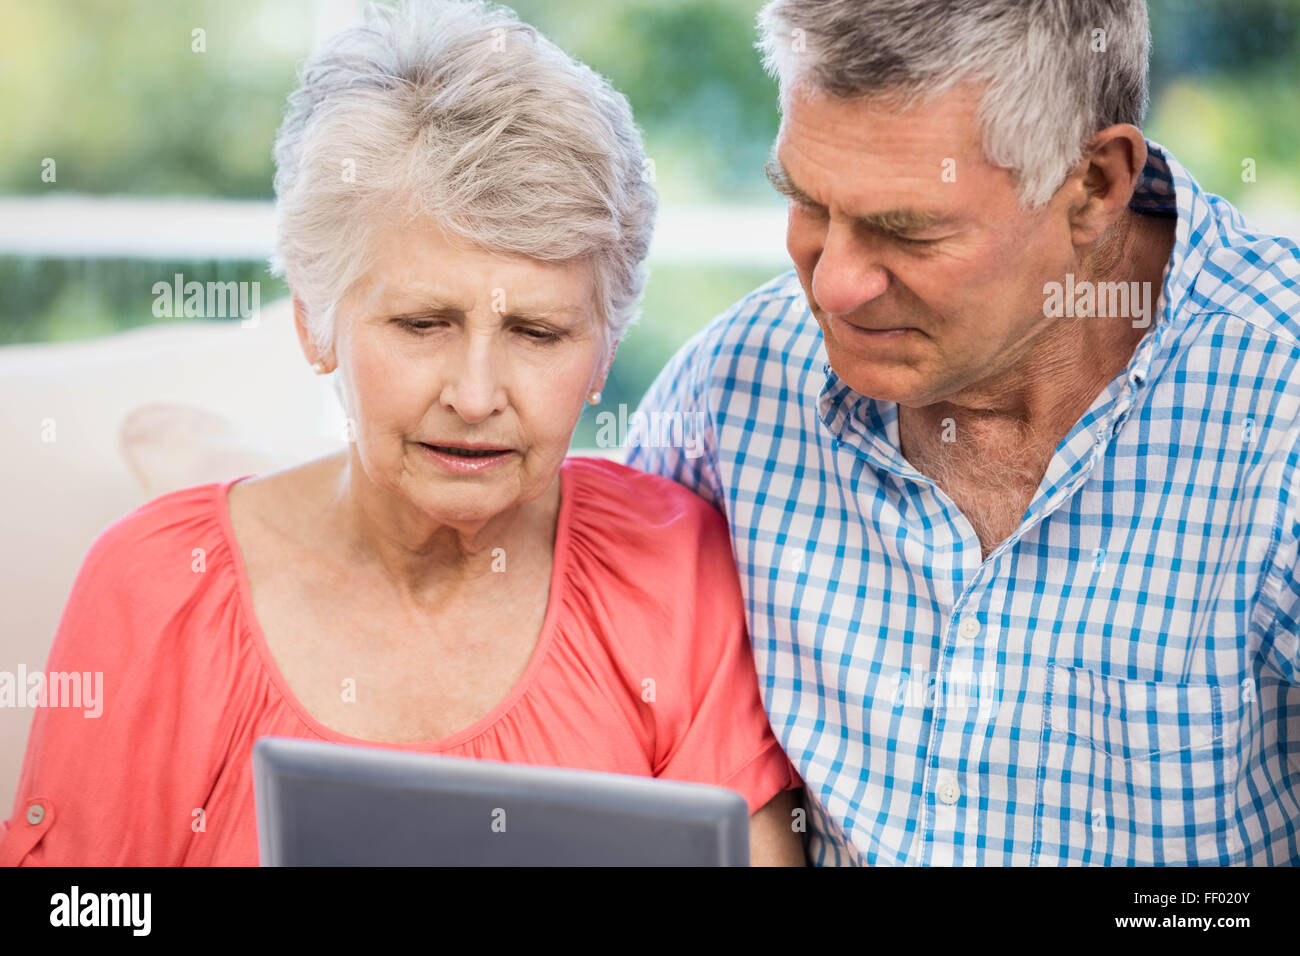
{"type": "Point", "coordinates": [644, 588]}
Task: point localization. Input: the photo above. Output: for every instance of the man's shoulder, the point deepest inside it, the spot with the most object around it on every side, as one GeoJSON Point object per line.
{"type": "Point", "coordinates": [772, 324]}
{"type": "Point", "coordinates": [1242, 332]}
{"type": "Point", "coordinates": [1251, 274]}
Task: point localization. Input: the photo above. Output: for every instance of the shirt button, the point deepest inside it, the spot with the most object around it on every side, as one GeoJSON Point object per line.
{"type": "Point", "coordinates": [968, 629]}
{"type": "Point", "coordinates": [35, 814]}
{"type": "Point", "coordinates": [949, 793]}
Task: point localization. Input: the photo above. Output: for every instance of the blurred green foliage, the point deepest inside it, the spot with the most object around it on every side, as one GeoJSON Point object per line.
{"type": "Point", "coordinates": [113, 90]}
{"type": "Point", "coordinates": [46, 299]}
{"type": "Point", "coordinates": [1225, 86]}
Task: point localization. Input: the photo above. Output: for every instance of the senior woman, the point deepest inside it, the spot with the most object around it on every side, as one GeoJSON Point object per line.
{"type": "Point", "coordinates": [462, 219]}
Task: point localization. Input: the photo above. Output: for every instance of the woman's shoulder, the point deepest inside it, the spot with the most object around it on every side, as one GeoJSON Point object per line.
{"type": "Point", "coordinates": [201, 523]}
{"type": "Point", "coordinates": [162, 571]}
{"type": "Point", "coordinates": [167, 540]}
{"type": "Point", "coordinates": [645, 527]}
{"type": "Point", "coordinates": [166, 514]}
{"type": "Point", "coordinates": [628, 506]}
{"type": "Point", "coordinates": [644, 496]}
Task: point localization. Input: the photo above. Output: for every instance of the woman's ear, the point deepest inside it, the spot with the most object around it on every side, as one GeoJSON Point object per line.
{"type": "Point", "coordinates": [599, 384]}
{"type": "Point", "coordinates": [300, 326]}
{"type": "Point", "coordinates": [309, 350]}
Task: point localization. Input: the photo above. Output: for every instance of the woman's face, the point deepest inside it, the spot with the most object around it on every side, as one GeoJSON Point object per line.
{"type": "Point", "coordinates": [465, 372]}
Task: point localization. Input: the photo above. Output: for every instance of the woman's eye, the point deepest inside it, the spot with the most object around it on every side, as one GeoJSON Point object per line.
{"type": "Point", "coordinates": [539, 335]}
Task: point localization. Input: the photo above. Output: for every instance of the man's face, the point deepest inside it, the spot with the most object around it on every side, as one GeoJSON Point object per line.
{"type": "Point", "coordinates": [923, 287]}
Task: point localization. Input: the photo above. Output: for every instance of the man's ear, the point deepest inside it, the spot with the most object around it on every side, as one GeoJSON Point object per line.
{"type": "Point", "coordinates": [1106, 177]}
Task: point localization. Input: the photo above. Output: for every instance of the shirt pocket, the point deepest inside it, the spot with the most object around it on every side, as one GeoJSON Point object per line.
{"type": "Point", "coordinates": [1133, 773]}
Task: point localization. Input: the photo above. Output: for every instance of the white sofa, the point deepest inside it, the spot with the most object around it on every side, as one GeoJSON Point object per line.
{"type": "Point", "coordinates": [93, 429]}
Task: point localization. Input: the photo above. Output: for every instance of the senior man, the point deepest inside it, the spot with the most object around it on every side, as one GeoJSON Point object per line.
{"type": "Point", "coordinates": [1010, 458]}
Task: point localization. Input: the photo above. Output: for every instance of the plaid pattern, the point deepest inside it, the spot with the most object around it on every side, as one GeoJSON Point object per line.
{"type": "Point", "coordinates": [1117, 683]}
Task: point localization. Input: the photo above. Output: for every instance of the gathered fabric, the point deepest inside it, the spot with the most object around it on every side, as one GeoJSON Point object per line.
{"type": "Point", "coordinates": [644, 588]}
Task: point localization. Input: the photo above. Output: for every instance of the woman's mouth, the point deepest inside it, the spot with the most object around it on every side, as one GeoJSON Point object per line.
{"type": "Point", "coordinates": [467, 452]}
{"type": "Point", "coordinates": [465, 459]}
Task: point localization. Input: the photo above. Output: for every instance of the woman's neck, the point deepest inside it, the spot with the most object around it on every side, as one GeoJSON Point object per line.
{"type": "Point", "coordinates": [427, 561]}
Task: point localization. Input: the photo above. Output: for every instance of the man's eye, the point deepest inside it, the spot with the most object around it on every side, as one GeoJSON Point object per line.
{"type": "Point", "coordinates": [419, 325]}
{"type": "Point", "coordinates": [908, 241]}
{"type": "Point", "coordinates": [810, 210]}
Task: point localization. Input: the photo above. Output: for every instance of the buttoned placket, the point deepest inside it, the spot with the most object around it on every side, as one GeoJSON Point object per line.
{"type": "Point", "coordinates": [967, 638]}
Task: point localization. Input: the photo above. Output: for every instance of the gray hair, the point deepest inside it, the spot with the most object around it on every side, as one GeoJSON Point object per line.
{"type": "Point", "coordinates": [459, 112]}
{"type": "Point", "coordinates": [1058, 71]}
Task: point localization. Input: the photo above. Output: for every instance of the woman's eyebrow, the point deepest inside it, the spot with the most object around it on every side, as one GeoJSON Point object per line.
{"type": "Point", "coordinates": [452, 310]}
{"type": "Point", "coordinates": [429, 307]}
{"type": "Point", "coordinates": [542, 314]}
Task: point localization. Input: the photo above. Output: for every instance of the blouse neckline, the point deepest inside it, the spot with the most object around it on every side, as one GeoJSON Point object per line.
{"type": "Point", "coordinates": [554, 601]}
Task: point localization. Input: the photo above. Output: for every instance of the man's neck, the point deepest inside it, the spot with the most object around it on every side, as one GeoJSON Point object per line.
{"type": "Point", "coordinates": [1036, 402]}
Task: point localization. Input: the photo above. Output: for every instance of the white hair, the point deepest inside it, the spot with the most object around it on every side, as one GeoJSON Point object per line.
{"type": "Point", "coordinates": [459, 112]}
{"type": "Point", "coordinates": [1057, 71]}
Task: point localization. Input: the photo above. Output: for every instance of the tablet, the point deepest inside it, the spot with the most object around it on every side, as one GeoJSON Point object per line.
{"type": "Point", "coordinates": [328, 804]}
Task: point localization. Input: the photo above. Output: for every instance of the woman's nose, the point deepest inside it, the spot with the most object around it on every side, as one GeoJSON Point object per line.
{"type": "Point", "coordinates": [473, 387]}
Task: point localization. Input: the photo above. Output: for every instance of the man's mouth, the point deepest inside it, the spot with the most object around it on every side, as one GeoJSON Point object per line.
{"type": "Point", "coordinates": [863, 328]}
{"type": "Point", "coordinates": [853, 327]}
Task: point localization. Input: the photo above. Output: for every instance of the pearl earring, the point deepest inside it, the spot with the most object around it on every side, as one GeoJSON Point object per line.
{"type": "Point", "coordinates": [595, 398]}
{"type": "Point", "coordinates": [318, 368]}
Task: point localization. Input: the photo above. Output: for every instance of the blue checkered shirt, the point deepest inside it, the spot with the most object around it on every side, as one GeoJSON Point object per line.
{"type": "Point", "coordinates": [1117, 682]}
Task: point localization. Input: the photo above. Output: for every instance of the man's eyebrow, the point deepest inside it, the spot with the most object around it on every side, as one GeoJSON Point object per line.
{"type": "Point", "coordinates": [893, 221]}
{"type": "Point", "coordinates": [903, 220]}
{"type": "Point", "coordinates": [783, 184]}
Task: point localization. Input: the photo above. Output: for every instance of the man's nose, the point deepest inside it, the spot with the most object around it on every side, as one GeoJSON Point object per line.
{"type": "Point", "coordinates": [474, 387]}
{"type": "Point", "coordinates": [848, 274]}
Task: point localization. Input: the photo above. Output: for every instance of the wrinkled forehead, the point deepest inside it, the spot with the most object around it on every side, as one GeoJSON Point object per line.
{"type": "Point", "coordinates": [867, 154]}
{"type": "Point", "coordinates": [417, 263]}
